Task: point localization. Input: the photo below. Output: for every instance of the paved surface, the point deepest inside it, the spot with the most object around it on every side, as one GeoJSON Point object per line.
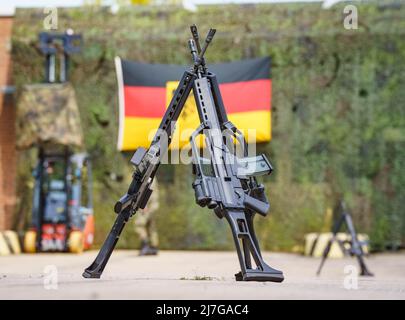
{"type": "Point", "coordinates": [193, 275]}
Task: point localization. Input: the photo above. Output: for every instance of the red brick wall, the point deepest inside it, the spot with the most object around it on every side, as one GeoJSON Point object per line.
{"type": "Point", "coordinates": [8, 157]}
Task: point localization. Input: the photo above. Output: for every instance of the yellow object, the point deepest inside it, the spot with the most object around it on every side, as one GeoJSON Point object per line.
{"type": "Point", "coordinates": [317, 242]}
{"type": "Point", "coordinates": [12, 241]}
{"type": "Point", "coordinates": [322, 242]}
{"type": "Point", "coordinates": [76, 242]}
{"type": "Point", "coordinates": [310, 239]}
{"type": "Point", "coordinates": [364, 239]}
{"type": "Point", "coordinates": [30, 242]}
{"type": "Point", "coordinates": [4, 249]}
{"type": "Point", "coordinates": [142, 2]}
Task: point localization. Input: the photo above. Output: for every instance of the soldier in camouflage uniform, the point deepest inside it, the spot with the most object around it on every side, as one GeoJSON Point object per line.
{"type": "Point", "coordinates": [145, 224]}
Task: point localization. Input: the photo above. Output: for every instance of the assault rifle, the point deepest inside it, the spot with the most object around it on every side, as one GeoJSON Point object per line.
{"type": "Point", "coordinates": [224, 182]}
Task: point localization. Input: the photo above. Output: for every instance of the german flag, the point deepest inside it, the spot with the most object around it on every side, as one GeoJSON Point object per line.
{"type": "Point", "coordinates": [145, 91]}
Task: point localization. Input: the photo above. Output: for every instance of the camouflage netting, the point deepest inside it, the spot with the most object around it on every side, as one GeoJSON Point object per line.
{"type": "Point", "coordinates": [338, 112]}
{"type": "Point", "coordinates": [48, 114]}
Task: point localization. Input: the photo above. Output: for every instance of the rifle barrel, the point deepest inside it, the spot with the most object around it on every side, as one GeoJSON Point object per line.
{"type": "Point", "coordinates": [196, 37]}
{"type": "Point", "coordinates": [207, 42]}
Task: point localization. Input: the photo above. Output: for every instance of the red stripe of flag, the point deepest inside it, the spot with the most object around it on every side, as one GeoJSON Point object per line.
{"type": "Point", "coordinates": [244, 96]}
{"type": "Point", "coordinates": [148, 102]}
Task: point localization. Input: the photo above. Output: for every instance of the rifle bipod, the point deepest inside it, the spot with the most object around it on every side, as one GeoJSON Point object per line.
{"type": "Point", "coordinates": [354, 243]}
{"type": "Point", "coordinates": [224, 182]}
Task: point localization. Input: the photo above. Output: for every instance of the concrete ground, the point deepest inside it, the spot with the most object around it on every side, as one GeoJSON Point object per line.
{"type": "Point", "coordinates": [194, 275]}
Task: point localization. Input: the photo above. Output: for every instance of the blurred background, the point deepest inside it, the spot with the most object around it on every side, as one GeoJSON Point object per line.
{"type": "Point", "coordinates": [338, 111]}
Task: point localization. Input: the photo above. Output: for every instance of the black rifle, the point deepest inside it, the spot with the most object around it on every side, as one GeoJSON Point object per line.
{"type": "Point", "coordinates": [354, 243]}
{"type": "Point", "coordinates": [224, 182]}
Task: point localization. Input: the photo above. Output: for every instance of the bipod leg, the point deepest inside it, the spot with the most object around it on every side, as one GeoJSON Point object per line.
{"type": "Point", "coordinates": [329, 245]}
{"type": "Point", "coordinates": [356, 248]}
{"type": "Point", "coordinates": [363, 268]}
{"type": "Point", "coordinates": [325, 255]}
